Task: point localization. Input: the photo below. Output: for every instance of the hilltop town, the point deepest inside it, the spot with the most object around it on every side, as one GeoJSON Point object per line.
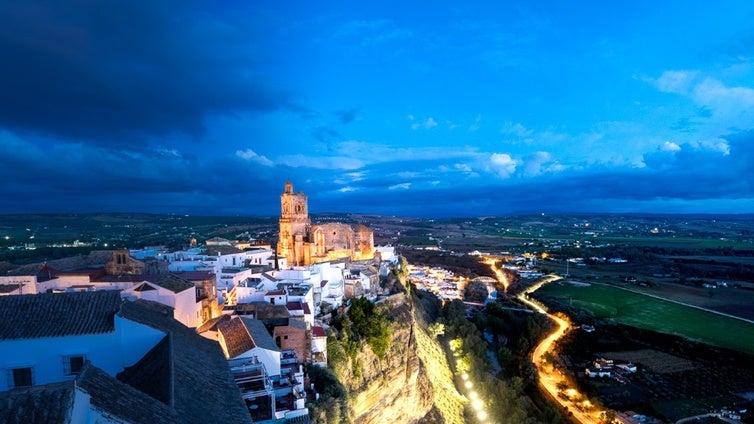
{"type": "Point", "coordinates": [219, 331]}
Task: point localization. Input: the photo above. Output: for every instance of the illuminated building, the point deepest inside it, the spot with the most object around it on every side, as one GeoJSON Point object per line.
{"type": "Point", "coordinates": [302, 243]}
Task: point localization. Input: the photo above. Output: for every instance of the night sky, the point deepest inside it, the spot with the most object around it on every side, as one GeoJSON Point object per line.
{"type": "Point", "coordinates": [404, 108]}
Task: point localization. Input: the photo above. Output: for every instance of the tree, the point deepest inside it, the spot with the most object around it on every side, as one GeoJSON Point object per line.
{"type": "Point", "coordinates": [476, 291]}
{"type": "Point", "coordinates": [436, 329]}
{"type": "Point", "coordinates": [607, 417]}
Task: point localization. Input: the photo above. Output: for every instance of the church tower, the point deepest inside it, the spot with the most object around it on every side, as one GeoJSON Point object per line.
{"type": "Point", "coordinates": [294, 227]}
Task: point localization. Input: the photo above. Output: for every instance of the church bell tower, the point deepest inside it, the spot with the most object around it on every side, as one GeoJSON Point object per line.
{"type": "Point", "coordinates": [294, 227]}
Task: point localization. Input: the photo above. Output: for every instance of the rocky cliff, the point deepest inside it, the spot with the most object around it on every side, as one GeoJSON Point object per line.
{"type": "Point", "coordinates": [412, 383]}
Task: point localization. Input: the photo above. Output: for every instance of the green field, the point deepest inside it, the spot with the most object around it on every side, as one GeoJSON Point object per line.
{"type": "Point", "coordinates": [641, 311]}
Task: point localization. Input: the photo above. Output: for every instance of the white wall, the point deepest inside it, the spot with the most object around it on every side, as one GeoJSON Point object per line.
{"type": "Point", "coordinates": [319, 344]}
{"type": "Point", "coordinates": [187, 311]}
{"type": "Point", "coordinates": [81, 407]}
{"type": "Point", "coordinates": [269, 358]}
{"type": "Point", "coordinates": [27, 284]}
{"type": "Point", "coordinates": [386, 252]}
{"type": "Point", "coordinates": [249, 294]}
{"type": "Point", "coordinates": [231, 278]}
{"type": "Point", "coordinates": [45, 356]}
{"type": "Point", "coordinates": [135, 339]}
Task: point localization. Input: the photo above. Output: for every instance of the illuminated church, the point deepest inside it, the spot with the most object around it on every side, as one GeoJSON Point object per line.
{"type": "Point", "coordinates": [302, 243]}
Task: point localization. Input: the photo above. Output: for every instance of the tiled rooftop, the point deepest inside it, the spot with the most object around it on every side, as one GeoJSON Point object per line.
{"type": "Point", "coordinates": [51, 404]}
{"type": "Point", "coordinates": [236, 336]}
{"type": "Point", "coordinates": [123, 401]}
{"type": "Point", "coordinates": [259, 333]}
{"type": "Point", "coordinates": [318, 331]}
{"type": "Point", "coordinates": [203, 389]}
{"type": "Point", "coordinates": [57, 314]}
{"type": "Point", "coordinates": [170, 282]}
{"type": "Point", "coordinates": [295, 306]}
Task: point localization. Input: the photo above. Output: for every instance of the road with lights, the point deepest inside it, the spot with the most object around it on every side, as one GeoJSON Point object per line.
{"type": "Point", "coordinates": [549, 380]}
{"type": "Point", "coordinates": [501, 277]}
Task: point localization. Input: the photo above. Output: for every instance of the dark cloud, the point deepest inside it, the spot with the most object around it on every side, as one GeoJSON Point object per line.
{"type": "Point", "coordinates": [346, 116]}
{"type": "Point", "coordinates": [77, 177]}
{"type": "Point", "coordinates": [325, 134]}
{"type": "Point", "coordinates": [115, 70]}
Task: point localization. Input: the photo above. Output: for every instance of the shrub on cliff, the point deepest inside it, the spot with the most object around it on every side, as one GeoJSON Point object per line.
{"type": "Point", "coordinates": [370, 324]}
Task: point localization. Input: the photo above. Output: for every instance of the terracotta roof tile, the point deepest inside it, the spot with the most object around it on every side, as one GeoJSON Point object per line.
{"type": "Point", "coordinates": [237, 338]}
{"type": "Point", "coordinates": [295, 306]}
{"type": "Point", "coordinates": [318, 332]}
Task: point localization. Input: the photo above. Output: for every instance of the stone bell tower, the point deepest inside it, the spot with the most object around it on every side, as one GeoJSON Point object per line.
{"type": "Point", "coordinates": [294, 227]}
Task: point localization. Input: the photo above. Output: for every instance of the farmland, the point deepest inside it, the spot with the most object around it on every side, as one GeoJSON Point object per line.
{"type": "Point", "coordinates": [612, 304]}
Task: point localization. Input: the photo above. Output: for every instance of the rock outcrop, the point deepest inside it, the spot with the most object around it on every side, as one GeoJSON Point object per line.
{"type": "Point", "coordinates": [411, 382]}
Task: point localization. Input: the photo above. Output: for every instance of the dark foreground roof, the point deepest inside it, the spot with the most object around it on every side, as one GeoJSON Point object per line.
{"type": "Point", "coordinates": [203, 387]}
{"type": "Point", "coordinates": [123, 401]}
{"type": "Point", "coordinates": [57, 314]}
{"type": "Point", "coordinates": [48, 404]}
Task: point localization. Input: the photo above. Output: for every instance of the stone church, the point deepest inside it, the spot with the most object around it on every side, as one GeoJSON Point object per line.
{"type": "Point", "coordinates": [302, 243]}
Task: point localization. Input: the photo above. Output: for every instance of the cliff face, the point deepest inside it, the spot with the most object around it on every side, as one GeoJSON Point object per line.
{"type": "Point", "coordinates": [410, 381]}
{"type": "Point", "coordinates": [393, 389]}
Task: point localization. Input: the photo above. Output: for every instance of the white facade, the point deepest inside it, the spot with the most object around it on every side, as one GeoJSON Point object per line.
{"type": "Point", "coordinates": [249, 291]}
{"type": "Point", "coordinates": [333, 293]}
{"type": "Point", "coordinates": [270, 359]}
{"type": "Point", "coordinates": [24, 284]}
{"type": "Point", "coordinates": [187, 311]}
{"type": "Point", "coordinates": [276, 297]}
{"type": "Point", "coordinates": [81, 282]}
{"type": "Point", "coordinates": [387, 253]}
{"type": "Point", "coordinates": [319, 346]}
{"type": "Point", "coordinates": [50, 357]}
{"type": "Point", "coordinates": [231, 277]}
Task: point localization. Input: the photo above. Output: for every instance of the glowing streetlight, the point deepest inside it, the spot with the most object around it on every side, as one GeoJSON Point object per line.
{"type": "Point", "coordinates": [468, 384]}
{"type": "Point", "coordinates": [481, 415]}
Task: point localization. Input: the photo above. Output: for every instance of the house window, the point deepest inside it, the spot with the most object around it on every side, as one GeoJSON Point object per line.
{"type": "Point", "coordinates": [72, 364]}
{"type": "Point", "coordinates": [20, 377]}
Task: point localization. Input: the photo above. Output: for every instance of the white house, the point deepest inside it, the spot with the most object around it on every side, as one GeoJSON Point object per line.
{"type": "Point", "coordinates": [276, 297]}
{"type": "Point", "coordinates": [319, 346]}
{"type": "Point", "coordinates": [386, 253]}
{"type": "Point", "coordinates": [247, 340]}
{"type": "Point", "coordinates": [53, 339]}
{"type": "Point", "coordinates": [172, 291]}
{"type": "Point", "coordinates": [57, 333]}
{"type": "Point", "coordinates": [250, 290]}
{"type": "Point", "coordinates": [232, 276]}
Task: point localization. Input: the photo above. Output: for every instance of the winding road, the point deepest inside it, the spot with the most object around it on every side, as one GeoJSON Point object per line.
{"type": "Point", "coordinates": [549, 380]}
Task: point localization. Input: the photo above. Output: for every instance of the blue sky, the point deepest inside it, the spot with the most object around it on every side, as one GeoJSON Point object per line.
{"type": "Point", "coordinates": [400, 108]}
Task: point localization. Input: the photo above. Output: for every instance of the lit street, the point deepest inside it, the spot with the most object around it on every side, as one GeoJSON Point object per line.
{"type": "Point", "coordinates": [549, 380]}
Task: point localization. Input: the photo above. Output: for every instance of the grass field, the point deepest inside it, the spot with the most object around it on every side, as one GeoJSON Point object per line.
{"type": "Point", "coordinates": [641, 311]}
